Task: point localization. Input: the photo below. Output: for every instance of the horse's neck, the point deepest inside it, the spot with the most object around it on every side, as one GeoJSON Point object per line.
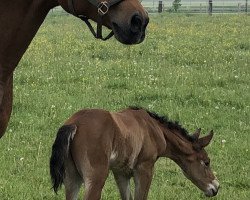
{"type": "Point", "coordinates": [19, 22]}
{"type": "Point", "coordinates": [176, 144]}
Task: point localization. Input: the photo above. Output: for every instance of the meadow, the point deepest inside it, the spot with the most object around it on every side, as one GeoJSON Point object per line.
{"type": "Point", "coordinates": [192, 68]}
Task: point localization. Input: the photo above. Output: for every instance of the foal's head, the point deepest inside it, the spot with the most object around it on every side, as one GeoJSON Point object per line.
{"type": "Point", "coordinates": [191, 156]}
{"type": "Point", "coordinates": [127, 18]}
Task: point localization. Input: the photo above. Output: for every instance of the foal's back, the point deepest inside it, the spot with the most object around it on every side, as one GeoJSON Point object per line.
{"type": "Point", "coordinates": [118, 139]}
{"type": "Point", "coordinates": [98, 122]}
{"type": "Point", "coordinates": [114, 132]}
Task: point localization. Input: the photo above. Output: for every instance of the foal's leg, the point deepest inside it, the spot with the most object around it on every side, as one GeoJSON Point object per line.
{"type": "Point", "coordinates": [94, 183]}
{"type": "Point", "coordinates": [6, 97]}
{"type": "Point", "coordinates": [123, 185]}
{"type": "Point", "coordinates": [143, 177]}
{"type": "Point", "coordinates": [72, 180]}
{"type": "Point", "coordinates": [94, 168]}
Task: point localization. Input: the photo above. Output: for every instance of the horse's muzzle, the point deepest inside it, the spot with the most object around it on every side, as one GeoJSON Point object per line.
{"type": "Point", "coordinates": [133, 32]}
{"type": "Point", "coordinates": [212, 188]}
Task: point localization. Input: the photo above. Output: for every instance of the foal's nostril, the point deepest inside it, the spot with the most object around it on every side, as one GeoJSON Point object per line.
{"type": "Point", "coordinates": [136, 23]}
{"type": "Point", "coordinates": [214, 192]}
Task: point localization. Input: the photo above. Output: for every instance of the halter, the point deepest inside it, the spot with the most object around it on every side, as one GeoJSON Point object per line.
{"type": "Point", "coordinates": [102, 9]}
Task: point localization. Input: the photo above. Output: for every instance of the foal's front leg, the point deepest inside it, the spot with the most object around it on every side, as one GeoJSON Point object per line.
{"type": "Point", "coordinates": [122, 182]}
{"type": "Point", "coordinates": [143, 176]}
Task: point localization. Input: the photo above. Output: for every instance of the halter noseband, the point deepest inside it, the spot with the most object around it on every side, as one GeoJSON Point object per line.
{"type": "Point", "coordinates": [102, 9]}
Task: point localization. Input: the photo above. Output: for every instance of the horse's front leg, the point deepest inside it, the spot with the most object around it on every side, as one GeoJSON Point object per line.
{"type": "Point", "coordinates": [143, 176]}
{"type": "Point", "coordinates": [1, 92]}
{"type": "Point", "coordinates": [6, 98]}
{"type": "Point", "coordinates": [123, 184]}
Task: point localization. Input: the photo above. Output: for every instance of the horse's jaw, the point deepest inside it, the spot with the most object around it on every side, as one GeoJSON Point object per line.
{"type": "Point", "coordinates": [126, 36]}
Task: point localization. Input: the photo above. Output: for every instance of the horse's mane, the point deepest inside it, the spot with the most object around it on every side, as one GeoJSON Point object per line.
{"type": "Point", "coordinates": [172, 125]}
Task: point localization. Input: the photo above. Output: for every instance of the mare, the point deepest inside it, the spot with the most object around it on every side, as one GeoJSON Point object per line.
{"type": "Point", "coordinates": [128, 143]}
{"type": "Point", "coordinates": [21, 19]}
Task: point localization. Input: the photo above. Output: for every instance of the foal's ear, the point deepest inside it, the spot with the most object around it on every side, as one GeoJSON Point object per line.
{"type": "Point", "coordinates": [204, 141]}
{"type": "Point", "coordinates": [196, 134]}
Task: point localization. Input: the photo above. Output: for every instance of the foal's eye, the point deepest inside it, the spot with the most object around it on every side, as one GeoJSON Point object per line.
{"type": "Point", "coordinates": [205, 163]}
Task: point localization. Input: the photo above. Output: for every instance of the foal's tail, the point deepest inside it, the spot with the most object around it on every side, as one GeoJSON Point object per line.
{"type": "Point", "coordinates": [60, 151]}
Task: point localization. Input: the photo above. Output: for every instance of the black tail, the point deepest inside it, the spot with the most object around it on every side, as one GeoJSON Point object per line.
{"type": "Point", "coordinates": [60, 150]}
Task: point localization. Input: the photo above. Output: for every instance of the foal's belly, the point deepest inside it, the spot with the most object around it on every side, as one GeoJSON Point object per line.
{"type": "Point", "coordinates": [121, 164]}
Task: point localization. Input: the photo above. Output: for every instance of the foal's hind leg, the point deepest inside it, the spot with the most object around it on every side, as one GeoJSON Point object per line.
{"type": "Point", "coordinates": [94, 183]}
{"type": "Point", "coordinates": [95, 168]}
{"type": "Point", "coordinates": [72, 180]}
{"type": "Point", "coordinates": [123, 184]}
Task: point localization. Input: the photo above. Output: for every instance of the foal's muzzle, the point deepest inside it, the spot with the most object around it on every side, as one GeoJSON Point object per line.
{"type": "Point", "coordinates": [212, 188]}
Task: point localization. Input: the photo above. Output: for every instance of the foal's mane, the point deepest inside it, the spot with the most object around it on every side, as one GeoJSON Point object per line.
{"type": "Point", "coordinates": [172, 125]}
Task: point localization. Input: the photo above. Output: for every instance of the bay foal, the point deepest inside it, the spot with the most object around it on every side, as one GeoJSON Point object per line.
{"type": "Point", "coordinates": [129, 143]}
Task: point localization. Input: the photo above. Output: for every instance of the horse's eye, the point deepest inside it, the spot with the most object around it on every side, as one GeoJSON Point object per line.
{"type": "Point", "coordinates": [205, 163]}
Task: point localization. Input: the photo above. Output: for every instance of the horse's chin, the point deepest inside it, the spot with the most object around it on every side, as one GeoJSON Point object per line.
{"type": "Point", "coordinates": [210, 193]}
{"type": "Point", "coordinates": [127, 36]}
{"type": "Point", "coordinates": [212, 189]}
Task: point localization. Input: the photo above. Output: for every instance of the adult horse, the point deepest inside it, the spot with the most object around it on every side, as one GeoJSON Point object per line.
{"type": "Point", "coordinates": [21, 19]}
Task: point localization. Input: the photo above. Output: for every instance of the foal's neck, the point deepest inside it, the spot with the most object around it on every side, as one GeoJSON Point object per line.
{"type": "Point", "coordinates": [176, 144]}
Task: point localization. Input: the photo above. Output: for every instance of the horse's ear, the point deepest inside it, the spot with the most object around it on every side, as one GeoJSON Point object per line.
{"type": "Point", "coordinates": [196, 134]}
{"type": "Point", "coordinates": [204, 141]}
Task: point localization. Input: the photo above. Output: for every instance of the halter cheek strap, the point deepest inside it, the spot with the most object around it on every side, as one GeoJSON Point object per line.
{"type": "Point", "coordinates": [102, 9]}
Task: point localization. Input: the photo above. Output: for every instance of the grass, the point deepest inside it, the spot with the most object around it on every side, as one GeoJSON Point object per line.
{"type": "Point", "coordinates": [193, 68]}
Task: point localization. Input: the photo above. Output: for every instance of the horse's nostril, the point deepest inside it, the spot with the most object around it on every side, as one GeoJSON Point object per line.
{"type": "Point", "coordinates": [136, 23]}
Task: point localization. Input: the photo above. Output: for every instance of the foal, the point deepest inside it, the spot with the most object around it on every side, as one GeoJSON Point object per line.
{"type": "Point", "coordinates": [129, 143]}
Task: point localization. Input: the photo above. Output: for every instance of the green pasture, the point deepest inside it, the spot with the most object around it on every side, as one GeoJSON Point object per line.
{"type": "Point", "coordinates": [192, 68]}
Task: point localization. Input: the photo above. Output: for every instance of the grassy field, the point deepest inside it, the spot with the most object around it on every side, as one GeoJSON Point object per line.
{"type": "Point", "coordinates": [193, 68]}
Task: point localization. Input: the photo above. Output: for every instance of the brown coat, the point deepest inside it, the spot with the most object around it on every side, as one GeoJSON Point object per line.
{"type": "Point", "coordinates": [129, 143]}
{"type": "Point", "coordinates": [21, 19]}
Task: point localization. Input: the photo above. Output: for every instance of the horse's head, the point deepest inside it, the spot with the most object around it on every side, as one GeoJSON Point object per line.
{"type": "Point", "coordinates": [195, 163]}
{"type": "Point", "coordinates": [127, 18]}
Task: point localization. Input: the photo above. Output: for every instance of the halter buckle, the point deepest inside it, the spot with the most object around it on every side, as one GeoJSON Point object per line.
{"type": "Point", "coordinates": [103, 8]}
